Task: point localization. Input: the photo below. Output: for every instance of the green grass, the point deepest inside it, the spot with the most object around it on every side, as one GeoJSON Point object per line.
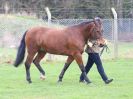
{"type": "Point", "coordinates": [14, 86]}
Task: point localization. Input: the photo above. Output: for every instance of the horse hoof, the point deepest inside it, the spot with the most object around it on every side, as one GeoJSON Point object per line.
{"type": "Point", "coordinates": [81, 81]}
{"type": "Point", "coordinates": [42, 77]}
{"type": "Point", "coordinates": [29, 82]}
{"type": "Point", "coordinates": [59, 81]}
{"type": "Point", "coordinates": [88, 82]}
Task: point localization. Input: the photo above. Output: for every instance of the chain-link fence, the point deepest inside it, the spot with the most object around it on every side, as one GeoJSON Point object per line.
{"type": "Point", "coordinates": [13, 27]}
{"type": "Point", "coordinates": [125, 35]}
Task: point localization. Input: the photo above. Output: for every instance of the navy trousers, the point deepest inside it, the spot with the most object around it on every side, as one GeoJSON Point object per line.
{"type": "Point", "coordinates": [94, 58]}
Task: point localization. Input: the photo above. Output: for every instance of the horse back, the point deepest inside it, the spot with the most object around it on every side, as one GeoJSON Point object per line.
{"type": "Point", "coordinates": [55, 41]}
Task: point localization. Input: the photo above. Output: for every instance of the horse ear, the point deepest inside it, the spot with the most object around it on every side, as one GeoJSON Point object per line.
{"type": "Point", "coordinates": [97, 20]}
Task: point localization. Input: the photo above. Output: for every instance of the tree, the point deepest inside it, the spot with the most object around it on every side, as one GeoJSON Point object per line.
{"type": "Point", "coordinates": [72, 8]}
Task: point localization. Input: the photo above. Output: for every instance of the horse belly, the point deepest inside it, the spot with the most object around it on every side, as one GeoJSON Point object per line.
{"type": "Point", "coordinates": [59, 49]}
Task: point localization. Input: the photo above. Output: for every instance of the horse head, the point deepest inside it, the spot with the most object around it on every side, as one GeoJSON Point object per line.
{"type": "Point", "coordinates": [97, 29]}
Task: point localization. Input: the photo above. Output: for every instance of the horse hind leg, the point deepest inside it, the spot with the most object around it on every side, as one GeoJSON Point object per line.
{"type": "Point", "coordinates": [28, 64]}
{"type": "Point", "coordinates": [67, 64]}
{"type": "Point", "coordinates": [37, 60]}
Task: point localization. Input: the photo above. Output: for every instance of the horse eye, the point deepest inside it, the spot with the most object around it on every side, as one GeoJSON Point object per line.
{"type": "Point", "coordinates": [98, 31]}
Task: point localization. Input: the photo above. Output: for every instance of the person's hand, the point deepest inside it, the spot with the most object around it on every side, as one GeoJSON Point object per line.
{"type": "Point", "coordinates": [90, 44]}
{"type": "Point", "coordinates": [102, 42]}
{"type": "Point", "coordinates": [105, 41]}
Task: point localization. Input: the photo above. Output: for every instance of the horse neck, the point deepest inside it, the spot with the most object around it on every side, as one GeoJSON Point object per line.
{"type": "Point", "coordinates": [85, 30]}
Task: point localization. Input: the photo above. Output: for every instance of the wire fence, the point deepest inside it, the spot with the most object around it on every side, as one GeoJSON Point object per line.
{"type": "Point", "coordinates": [13, 27]}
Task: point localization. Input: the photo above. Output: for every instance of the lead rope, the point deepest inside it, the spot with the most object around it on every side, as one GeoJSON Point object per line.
{"type": "Point", "coordinates": [105, 47]}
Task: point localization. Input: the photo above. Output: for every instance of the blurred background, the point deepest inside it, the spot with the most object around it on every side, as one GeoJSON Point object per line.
{"type": "Point", "coordinates": [16, 16]}
{"type": "Point", "coordinates": [68, 9]}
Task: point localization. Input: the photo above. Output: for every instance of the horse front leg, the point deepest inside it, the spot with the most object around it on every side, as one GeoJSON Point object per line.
{"type": "Point", "coordinates": [67, 64]}
{"type": "Point", "coordinates": [78, 58]}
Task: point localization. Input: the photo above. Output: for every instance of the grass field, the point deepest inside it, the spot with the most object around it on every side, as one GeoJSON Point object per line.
{"type": "Point", "coordinates": [14, 86]}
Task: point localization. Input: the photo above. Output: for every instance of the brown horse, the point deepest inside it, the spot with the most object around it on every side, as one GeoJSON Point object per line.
{"type": "Point", "coordinates": [69, 41]}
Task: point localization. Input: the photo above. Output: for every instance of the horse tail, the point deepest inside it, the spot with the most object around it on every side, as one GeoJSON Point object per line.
{"type": "Point", "coordinates": [21, 52]}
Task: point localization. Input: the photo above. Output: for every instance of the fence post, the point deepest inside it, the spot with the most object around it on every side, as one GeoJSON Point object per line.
{"type": "Point", "coordinates": [49, 23]}
{"type": "Point", "coordinates": [6, 7]}
{"type": "Point", "coordinates": [115, 31]}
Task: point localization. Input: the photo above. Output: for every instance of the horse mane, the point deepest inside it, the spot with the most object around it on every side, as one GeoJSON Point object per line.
{"type": "Point", "coordinates": [83, 23]}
